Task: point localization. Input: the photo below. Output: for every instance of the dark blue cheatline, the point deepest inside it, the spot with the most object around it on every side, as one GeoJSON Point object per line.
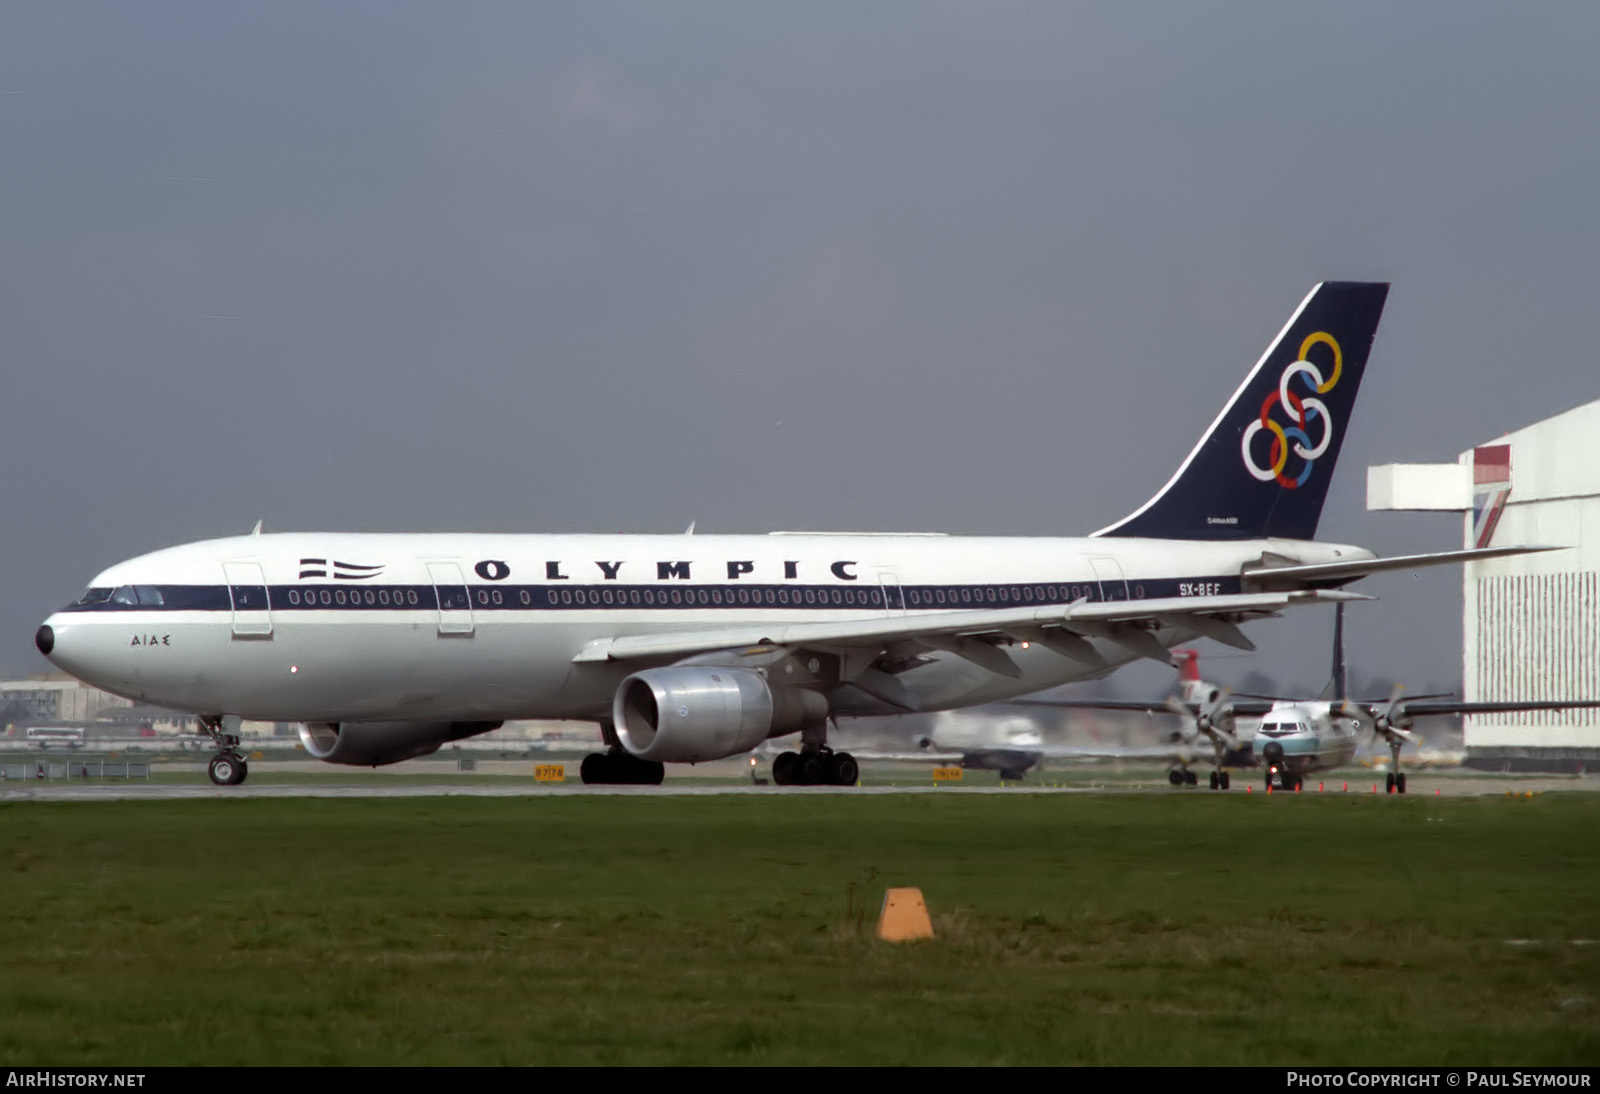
{"type": "Point", "coordinates": [619, 597]}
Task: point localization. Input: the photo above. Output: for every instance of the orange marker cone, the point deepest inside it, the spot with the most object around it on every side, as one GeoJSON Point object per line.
{"type": "Point", "coordinates": [1346, 789]}
{"type": "Point", "coordinates": [1319, 788]}
{"type": "Point", "coordinates": [1248, 787]}
{"type": "Point", "coordinates": [904, 916]}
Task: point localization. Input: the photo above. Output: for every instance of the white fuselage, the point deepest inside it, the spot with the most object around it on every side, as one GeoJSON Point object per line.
{"type": "Point", "coordinates": [337, 627]}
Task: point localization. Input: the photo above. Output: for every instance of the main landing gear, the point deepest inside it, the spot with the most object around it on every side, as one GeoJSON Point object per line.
{"type": "Point", "coordinates": [227, 767]}
{"type": "Point", "coordinates": [1396, 782]}
{"type": "Point", "coordinates": [617, 767]}
{"type": "Point", "coordinates": [815, 767]}
{"type": "Point", "coordinates": [1182, 776]}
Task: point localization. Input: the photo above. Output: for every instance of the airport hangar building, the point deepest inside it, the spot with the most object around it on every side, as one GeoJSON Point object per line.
{"type": "Point", "coordinates": [1530, 623]}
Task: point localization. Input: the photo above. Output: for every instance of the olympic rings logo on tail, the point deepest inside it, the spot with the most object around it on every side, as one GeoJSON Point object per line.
{"type": "Point", "coordinates": [1303, 409]}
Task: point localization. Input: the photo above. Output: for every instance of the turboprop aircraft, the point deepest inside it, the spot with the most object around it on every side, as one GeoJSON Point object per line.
{"type": "Point", "coordinates": [1210, 715]}
{"type": "Point", "coordinates": [1295, 737]}
{"type": "Point", "coordinates": [999, 739]}
{"type": "Point", "coordinates": [688, 648]}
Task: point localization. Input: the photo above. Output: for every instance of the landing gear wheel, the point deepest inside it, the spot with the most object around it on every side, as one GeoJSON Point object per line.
{"type": "Point", "coordinates": [618, 768]}
{"type": "Point", "coordinates": [1223, 780]}
{"type": "Point", "coordinates": [784, 768]}
{"type": "Point", "coordinates": [1400, 783]}
{"type": "Point", "coordinates": [1216, 781]}
{"type": "Point", "coordinates": [1012, 776]}
{"type": "Point", "coordinates": [811, 769]}
{"type": "Point", "coordinates": [1175, 777]}
{"type": "Point", "coordinates": [227, 769]}
{"type": "Point", "coordinates": [1191, 779]}
{"type": "Point", "coordinates": [1388, 783]}
{"type": "Point", "coordinates": [843, 769]}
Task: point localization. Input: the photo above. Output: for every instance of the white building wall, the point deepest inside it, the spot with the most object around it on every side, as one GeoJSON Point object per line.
{"type": "Point", "coordinates": [1531, 624]}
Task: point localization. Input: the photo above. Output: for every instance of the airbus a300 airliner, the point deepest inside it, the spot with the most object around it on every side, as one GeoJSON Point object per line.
{"type": "Point", "coordinates": [689, 648]}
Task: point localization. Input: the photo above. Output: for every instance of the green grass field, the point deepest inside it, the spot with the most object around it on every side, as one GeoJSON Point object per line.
{"type": "Point", "coordinates": [1105, 929]}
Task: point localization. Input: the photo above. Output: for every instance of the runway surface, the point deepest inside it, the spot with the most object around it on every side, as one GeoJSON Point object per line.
{"type": "Point", "coordinates": [45, 792]}
{"type": "Point", "coordinates": [376, 786]}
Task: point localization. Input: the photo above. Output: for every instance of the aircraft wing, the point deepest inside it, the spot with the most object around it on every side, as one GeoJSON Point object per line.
{"type": "Point", "coordinates": [1058, 626]}
{"type": "Point", "coordinates": [1249, 707]}
{"type": "Point", "coordinates": [943, 754]}
{"type": "Point", "coordinates": [1422, 708]}
{"type": "Point", "coordinates": [1361, 567]}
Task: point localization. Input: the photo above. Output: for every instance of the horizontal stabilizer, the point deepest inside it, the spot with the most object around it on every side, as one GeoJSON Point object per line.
{"type": "Point", "coordinates": [1361, 567]}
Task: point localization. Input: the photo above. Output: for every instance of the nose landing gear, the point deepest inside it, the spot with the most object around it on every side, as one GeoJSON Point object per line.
{"type": "Point", "coordinates": [227, 767]}
{"type": "Point", "coordinates": [1286, 779]}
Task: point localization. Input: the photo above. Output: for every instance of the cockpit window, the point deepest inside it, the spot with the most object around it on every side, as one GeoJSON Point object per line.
{"type": "Point", "coordinates": [94, 595]}
{"type": "Point", "coordinates": [125, 595]}
{"type": "Point", "coordinates": [149, 596]}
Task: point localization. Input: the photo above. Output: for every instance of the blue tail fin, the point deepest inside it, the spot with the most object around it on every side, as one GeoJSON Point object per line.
{"type": "Point", "coordinates": [1263, 467]}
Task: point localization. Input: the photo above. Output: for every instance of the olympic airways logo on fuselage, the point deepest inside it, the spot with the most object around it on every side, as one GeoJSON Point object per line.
{"type": "Point", "coordinates": [1307, 414]}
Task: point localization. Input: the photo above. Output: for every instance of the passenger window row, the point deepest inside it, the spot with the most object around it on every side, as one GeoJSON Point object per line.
{"type": "Point", "coordinates": [463, 598]}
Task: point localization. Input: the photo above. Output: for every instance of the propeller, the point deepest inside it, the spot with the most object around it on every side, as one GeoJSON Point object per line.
{"type": "Point", "coordinates": [1211, 716]}
{"type": "Point", "coordinates": [1391, 721]}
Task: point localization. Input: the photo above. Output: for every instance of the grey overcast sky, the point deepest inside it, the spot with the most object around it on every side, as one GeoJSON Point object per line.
{"type": "Point", "coordinates": [974, 267]}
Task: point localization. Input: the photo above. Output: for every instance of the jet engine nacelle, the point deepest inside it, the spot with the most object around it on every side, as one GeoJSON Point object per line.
{"type": "Point", "coordinates": [689, 713]}
{"type": "Point", "coordinates": [372, 744]}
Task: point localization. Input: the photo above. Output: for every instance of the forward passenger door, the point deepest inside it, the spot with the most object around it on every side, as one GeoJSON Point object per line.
{"type": "Point", "coordinates": [455, 603]}
{"type": "Point", "coordinates": [247, 594]}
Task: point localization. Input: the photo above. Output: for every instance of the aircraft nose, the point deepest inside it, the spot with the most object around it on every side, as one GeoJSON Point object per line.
{"type": "Point", "coordinates": [45, 639]}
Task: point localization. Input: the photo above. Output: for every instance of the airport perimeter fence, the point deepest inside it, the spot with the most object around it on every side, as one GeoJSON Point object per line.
{"type": "Point", "coordinates": [77, 769]}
